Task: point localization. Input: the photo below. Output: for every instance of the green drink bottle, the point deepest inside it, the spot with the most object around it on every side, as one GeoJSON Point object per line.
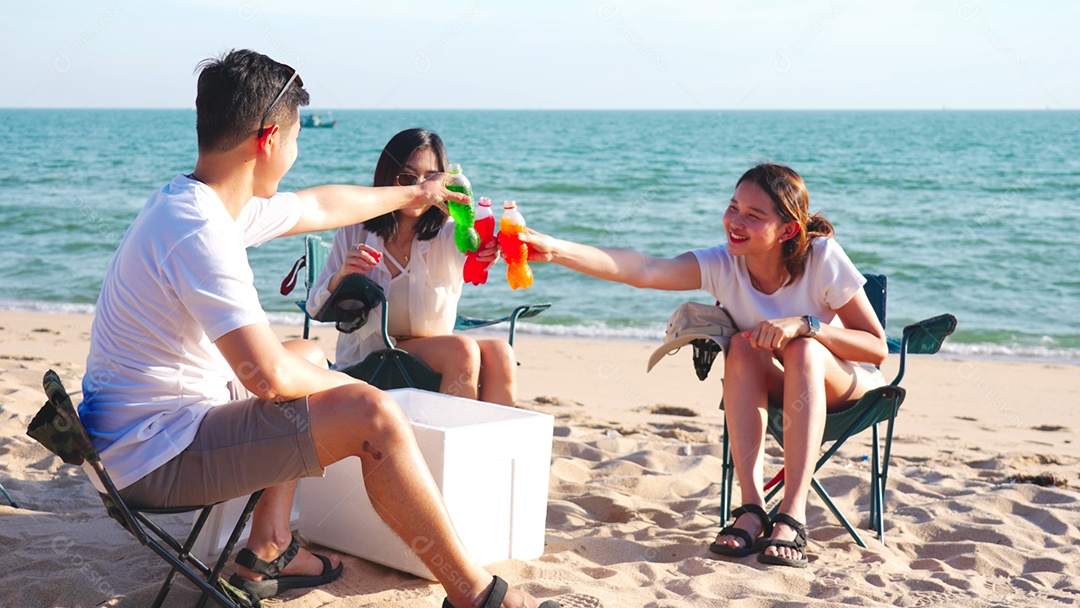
{"type": "Point", "coordinates": [465, 236]}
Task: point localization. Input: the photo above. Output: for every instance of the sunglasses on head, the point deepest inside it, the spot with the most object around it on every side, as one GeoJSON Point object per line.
{"type": "Point", "coordinates": [293, 75]}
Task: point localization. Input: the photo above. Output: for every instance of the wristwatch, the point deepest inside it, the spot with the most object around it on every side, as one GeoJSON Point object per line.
{"type": "Point", "coordinates": [814, 325]}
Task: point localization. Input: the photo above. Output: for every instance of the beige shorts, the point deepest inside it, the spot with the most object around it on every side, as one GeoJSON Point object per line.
{"type": "Point", "coordinates": [241, 447]}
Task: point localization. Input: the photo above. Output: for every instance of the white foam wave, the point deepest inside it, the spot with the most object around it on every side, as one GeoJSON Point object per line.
{"type": "Point", "coordinates": [285, 318]}
{"type": "Point", "coordinates": [1068, 356]}
{"type": "Point", "coordinates": [49, 307]}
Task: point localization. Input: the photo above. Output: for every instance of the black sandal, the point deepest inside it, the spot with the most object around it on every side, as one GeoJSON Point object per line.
{"type": "Point", "coordinates": [498, 592]}
{"type": "Point", "coordinates": [274, 583]}
{"type": "Point", "coordinates": [799, 544]}
{"type": "Point", "coordinates": [751, 544]}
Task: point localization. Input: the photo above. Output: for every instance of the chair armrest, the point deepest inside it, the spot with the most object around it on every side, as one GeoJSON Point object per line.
{"type": "Point", "coordinates": [521, 312]}
{"type": "Point", "coordinates": [924, 338]}
{"type": "Point", "coordinates": [927, 336]}
{"type": "Point", "coordinates": [466, 323]}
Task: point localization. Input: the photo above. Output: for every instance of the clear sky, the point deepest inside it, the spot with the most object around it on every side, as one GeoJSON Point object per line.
{"type": "Point", "coordinates": [647, 54]}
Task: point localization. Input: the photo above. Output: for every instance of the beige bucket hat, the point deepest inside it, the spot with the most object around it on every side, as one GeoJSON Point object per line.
{"type": "Point", "coordinates": [691, 321]}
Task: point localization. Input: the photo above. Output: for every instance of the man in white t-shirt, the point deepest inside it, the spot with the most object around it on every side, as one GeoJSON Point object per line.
{"type": "Point", "coordinates": [189, 396]}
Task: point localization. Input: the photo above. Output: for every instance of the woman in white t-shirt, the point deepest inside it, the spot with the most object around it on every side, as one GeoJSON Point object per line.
{"type": "Point", "coordinates": [411, 254]}
{"type": "Point", "coordinates": [809, 338]}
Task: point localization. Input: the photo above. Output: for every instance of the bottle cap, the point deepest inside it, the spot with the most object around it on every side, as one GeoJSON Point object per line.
{"type": "Point", "coordinates": [484, 201]}
{"type": "Point", "coordinates": [453, 168]}
{"type": "Point", "coordinates": [509, 204]}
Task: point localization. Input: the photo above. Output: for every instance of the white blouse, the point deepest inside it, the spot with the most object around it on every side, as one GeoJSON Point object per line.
{"type": "Point", "coordinates": [435, 281]}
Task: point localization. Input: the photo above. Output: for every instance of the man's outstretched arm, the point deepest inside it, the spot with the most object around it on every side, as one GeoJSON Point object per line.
{"type": "Point", "coordinates": [334, 206]}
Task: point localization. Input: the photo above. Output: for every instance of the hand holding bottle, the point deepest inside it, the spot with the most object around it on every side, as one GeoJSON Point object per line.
{"type": "Point", "coordinates": [464, 214]}
{"type": "Point", "coordinates": [541, 246]}
{"type": "Point", "coordinates": [433, 192]}
{"type": "Point", "coordinates": [514, 251]}
{"type": "Point", "coordinates": [478, 262]}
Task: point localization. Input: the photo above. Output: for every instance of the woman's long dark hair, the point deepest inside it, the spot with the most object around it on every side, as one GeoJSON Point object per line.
{"type": "Point", "coordinates": [393, 158]}
{"type": "Point", "coordinates": [788, 192]}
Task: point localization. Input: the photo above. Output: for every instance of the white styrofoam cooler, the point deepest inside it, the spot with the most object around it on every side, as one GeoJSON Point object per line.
{"type": "Point", "coordinates": [491, 463]}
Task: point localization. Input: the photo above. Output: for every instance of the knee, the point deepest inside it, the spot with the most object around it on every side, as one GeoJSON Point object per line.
{"type": "Point", "coordinates": [307, 349]}
{"type": "Point", "coordinates": [741, 353]}
{"type": "Point", "coordinates": [803, 354]}
{"type": "Point", "coordinates": [465, 354]}
{"type": "Point", "coordinates": [375, 410]}
{"type": "Point", "coordinates": [497, 353]}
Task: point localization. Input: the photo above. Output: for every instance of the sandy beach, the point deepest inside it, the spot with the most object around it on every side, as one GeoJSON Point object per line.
{"type": "Point", "coordinates": [634, 491]}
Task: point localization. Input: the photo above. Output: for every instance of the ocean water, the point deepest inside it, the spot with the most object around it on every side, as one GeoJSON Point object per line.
{"type": "Point", "coordinates": [973, 213]}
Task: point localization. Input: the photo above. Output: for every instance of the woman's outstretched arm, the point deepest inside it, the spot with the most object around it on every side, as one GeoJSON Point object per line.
{"type": "Point", "coordinates": [681, 273]}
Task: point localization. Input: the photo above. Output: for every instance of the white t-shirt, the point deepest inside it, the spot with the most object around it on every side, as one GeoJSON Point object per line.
{"type": "Point", "coordinates": [828, 284]}
{"type": "Point", "coordinates": [435, 282]}
{"type": "Point", "coordinates": [179, 280]}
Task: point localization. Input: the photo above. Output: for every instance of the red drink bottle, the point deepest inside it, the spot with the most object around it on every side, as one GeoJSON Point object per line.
{"type": "Point", "coordinates": [476, 272]}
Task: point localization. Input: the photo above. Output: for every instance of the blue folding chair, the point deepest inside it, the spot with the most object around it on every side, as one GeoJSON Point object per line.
{"type": "Point", "coordinates": [876, 406]}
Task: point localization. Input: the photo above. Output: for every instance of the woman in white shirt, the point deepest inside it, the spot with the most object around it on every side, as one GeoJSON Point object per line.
{"type": "Point", "coordinates": [810, 338]}
{"type": "Point", "coordinates": [411, 254]}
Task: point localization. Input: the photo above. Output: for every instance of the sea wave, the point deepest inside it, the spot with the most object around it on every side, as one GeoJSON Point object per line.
{"type": "Point", "coordinates": [1040, 354]}
{"type": "Point", "coordinates": [65, 308]}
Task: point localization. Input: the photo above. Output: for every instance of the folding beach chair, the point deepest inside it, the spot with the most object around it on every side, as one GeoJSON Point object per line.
{"type": "Point", "coordinates": [392, 368]}
{"type": "Point", "coordinates": [57, 427]}
{"type": "Point", "coordinates": [876, 406]}
{"type": "Point", "coordinates": [387, 367]}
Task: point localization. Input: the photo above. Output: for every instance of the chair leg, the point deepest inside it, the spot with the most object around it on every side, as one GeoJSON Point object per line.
{"type": "Point", "coordinates": [180, 566]}
{"type": "Point", "coordinates": [183, 555]}
{"type": "Point", "coordinates": [226, 552]}
{"type": "Point", "coordinates": [726, 478]}
{"type": "Point", "coordinates": [836, 511]}
{"type": "Point", "coordinates": [7, 496]}
{"type": "Point", "coordinates": [877, 491]}
{"type": "Point", "coordinates": [166, 587]}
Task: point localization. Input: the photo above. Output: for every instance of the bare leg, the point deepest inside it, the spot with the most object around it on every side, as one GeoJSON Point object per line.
{"type": "Point", "coordinates": [814, 381]}
{"type": "Point", "coordinates": [359, 420]}
{"type": "Point", "coordinates": [270, 526]}
{"type": "Point", "coordinates": [456, 357]}
{"type": "Point", "coordinates": [748, 372]}
{"type": "Point", "coordinates": [498, 372]}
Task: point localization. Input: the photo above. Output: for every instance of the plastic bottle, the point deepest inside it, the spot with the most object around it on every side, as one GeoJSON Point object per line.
{"type": "Point", "coordinates": [511, 225]}
{"type": "Point", "coordinates": [476, 272]}
{"type": "Point", "coordinates": [465, 236]}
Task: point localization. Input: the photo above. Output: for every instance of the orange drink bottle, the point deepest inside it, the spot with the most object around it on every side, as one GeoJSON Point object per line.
{"type": "Point", "coordinates": [511, 225]}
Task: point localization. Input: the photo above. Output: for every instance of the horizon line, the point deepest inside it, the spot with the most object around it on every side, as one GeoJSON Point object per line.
{"type": "Point", "coordinates": [364, 109]}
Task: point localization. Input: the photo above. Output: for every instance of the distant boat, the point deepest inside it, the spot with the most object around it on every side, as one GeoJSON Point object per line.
{"type": "Point", "coordinates": [317, 121]}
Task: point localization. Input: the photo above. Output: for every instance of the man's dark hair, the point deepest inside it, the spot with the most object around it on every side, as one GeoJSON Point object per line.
{"type": "Point", "coordinates": [234, 91]}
